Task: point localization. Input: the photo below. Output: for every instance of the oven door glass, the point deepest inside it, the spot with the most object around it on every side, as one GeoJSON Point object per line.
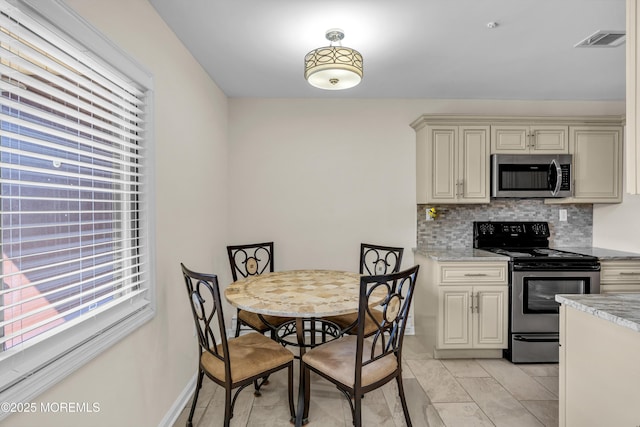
{"type": "Point", "coordinates": [540, 293]}
{"type": "Point", "coordinates": [533, 297]}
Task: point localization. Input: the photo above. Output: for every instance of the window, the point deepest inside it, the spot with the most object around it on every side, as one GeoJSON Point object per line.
{"type": "Point", "coordinates": [74, 195]}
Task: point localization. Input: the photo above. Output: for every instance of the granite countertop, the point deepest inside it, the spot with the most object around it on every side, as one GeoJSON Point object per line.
{"type": "Point", "coordinates": [460, 254]}
{"type": "Point", "coordinates": [472, 254]}
{"type": "Point", "coordinates": [621, 309]}
{"type": "Point", "coordinates": [604, 254]}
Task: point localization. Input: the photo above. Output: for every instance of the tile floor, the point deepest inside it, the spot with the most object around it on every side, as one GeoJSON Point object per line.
{"type": "Point", "coordinates": [451, 393]}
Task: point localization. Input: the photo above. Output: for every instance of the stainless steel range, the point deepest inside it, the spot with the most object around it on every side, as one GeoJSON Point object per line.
{"type": "Point", "coordinates": [537, 274]}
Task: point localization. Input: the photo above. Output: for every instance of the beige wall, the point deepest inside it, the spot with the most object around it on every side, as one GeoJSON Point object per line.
{"type": "Point", "coordinates": [617, 226]}
{"type": "Point", "coordinates": [316, 176]}
{"type": "Point", "coordinates": [138, 380]}
{"type": "Point", "coordinates": [320, 176]}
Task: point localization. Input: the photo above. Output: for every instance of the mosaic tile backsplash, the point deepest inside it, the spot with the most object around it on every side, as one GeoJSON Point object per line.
{"type": "Point", "coordinates": [453, 226]}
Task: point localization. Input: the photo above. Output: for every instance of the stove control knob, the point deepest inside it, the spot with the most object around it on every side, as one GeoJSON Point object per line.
{"type": "Point", "coordinates": [538, 228]}
{"type": "Point", "coordinates": [486, 228]}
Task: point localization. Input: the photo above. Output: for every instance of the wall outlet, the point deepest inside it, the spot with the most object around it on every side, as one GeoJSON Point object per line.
{"type": "Point", "coordinates": [563, 215]}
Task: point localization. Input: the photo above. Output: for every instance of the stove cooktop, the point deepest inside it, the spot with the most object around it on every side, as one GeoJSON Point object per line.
{"type": "Point", "coordinates": [541, 255]}
{"type": "Point", "coordinates": [522, 241]}
{"type": "Point", "coordinates": [536, 253]}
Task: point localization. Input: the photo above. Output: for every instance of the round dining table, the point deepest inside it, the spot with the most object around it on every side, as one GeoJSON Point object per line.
{"type": "Point", "coordinates": [307, 296]}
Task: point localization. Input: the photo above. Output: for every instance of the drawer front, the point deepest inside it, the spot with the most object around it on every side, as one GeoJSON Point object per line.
{"type": "Point", "coordinates": [616, 272]}
{"type": "Point", "coordinates": [465, 273]}
{"type": "Point", "coordinates": [621, 288]}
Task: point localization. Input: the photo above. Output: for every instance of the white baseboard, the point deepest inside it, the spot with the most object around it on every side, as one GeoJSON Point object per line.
{"type": "Point", "coordinates": [176, 409]}
{"type": "Point", "coordinates": [231, 332]}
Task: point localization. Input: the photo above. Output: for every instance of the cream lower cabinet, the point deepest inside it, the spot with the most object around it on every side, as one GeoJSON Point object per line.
{"type": "Point", "coordinates": [472, 317]}
{"type": "Point", "coordinates": [472, 305]}
{"type": "Point", "coordinates": [452, 164]}
{"type": "Point", "coordinates": [619, 276]}
{"type": "Point", "coordinates": [599, 371]}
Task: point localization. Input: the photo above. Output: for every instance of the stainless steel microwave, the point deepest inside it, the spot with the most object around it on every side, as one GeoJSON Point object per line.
{"type": "Point", "coordinates": [531, 175]}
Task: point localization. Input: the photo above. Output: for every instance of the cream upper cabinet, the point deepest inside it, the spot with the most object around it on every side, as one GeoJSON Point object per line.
{"type": "Point", "coordinates": [453, 154]}
{"type": "Point", "coordinates": [619, 276]}
{"type": "Point", "coordinates": [632, 149]}
{"type": "Point", "coordinates": [597, 163]}
{"type": "Point", "coordinates": [538, 139]}
{"type": "Point", "coordinates": [452, 164]}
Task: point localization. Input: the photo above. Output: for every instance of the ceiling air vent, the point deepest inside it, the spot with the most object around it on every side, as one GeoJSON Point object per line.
{"type": "Point", "coordinates": [603, 39]}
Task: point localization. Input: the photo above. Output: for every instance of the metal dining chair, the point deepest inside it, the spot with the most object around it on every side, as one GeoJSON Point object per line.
{"type": "Point", "coordinates": [374, 260]}
{"type": "Point", "coordinates": [233, 363]}
{"type": "Point", "coordinates": [357, 364]}
{"type": "Point", "coordinates": [251, 260]}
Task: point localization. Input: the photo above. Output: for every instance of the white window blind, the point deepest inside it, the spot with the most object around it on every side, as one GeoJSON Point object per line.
{"type": "Point", "coordinates": [73, 165]}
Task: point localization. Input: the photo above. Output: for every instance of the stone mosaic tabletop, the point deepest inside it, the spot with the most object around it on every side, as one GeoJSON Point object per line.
{"type": "Point", "coordinates": [297, 293]}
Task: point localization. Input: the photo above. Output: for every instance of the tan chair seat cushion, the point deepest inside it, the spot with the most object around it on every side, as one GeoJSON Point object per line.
{"type": "Point", "coordinates": [253, 320]}
{"type": "Point", "coordinates": [337, 360]}
{"type": "Point", "coordinates": [251, 354]}
{"type": "Point", "coordinates": [344, 320]}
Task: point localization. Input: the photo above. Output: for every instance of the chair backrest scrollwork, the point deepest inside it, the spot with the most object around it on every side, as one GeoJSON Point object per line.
{"type": "Point", "coordinates": [395, 290]}
{"type": "Point", "coordinates": [206, 307]}
{"type": "Point", "coordinates": [376, 259]}
{"type": "Point", "coordinates": [251, 259]}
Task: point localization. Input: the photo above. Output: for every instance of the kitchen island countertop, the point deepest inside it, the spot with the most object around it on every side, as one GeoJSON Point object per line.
{"type": "Point", "coordinates": [599, 371]}
{"type": "Point", "coordinates": [621, 309]}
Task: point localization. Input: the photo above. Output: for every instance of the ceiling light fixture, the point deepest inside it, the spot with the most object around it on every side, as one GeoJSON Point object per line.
{"type": "Point", "coordinates": [333, 67]}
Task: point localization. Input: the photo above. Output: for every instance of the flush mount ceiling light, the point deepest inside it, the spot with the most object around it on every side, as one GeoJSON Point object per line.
{"type": "Point", "coordinates": [333, 67]}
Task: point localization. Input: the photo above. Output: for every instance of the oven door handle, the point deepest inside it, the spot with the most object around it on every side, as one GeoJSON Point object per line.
{"type": "Point", "coordinates": [536, 338]}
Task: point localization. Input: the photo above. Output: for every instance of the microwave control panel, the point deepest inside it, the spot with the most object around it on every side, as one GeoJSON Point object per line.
{"type": "Point", "coordinates": [566, 177]}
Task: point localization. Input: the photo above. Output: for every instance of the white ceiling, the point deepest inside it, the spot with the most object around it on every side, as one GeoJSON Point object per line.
{"type": "Point", "coordinates": [437, 49]}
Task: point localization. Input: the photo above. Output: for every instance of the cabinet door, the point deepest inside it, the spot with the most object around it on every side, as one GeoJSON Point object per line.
{"type": "Point", "coordinates": [549, 139]}
{"type": "Point", "coordinates": [597, 163]}
{"type": "Point", "coordinates": [473, 165]}
{"type": "Point", "coordinates": [538, 139]}
{"type": "Point", "coordinates": [454, 317]}
{"type": "Point", "coordinates": [441, 142]}
{"type": "Point", "coordinates": [509, 139]}
{"type": "Point", "coordinates": [490, 316]}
